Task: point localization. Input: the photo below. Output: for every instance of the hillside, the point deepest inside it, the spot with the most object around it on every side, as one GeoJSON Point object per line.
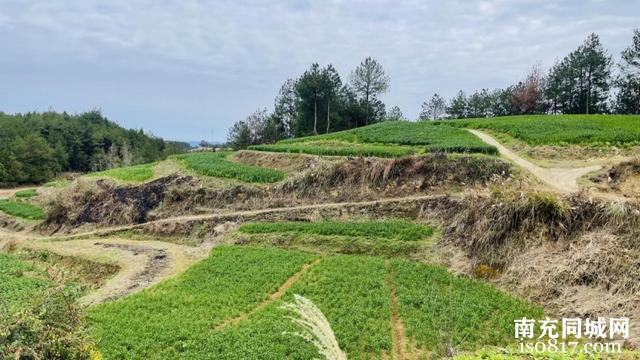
{"type": "Point", "coordinates": [34, 147]}
{"type": "Point", "coordinates": [430, 249]}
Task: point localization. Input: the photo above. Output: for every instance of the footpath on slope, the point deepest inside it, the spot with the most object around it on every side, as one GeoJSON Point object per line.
{"type": "Point", "coordinates": [562, 179]}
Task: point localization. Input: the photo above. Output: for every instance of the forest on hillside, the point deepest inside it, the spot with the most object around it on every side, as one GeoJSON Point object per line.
{"type": "Point", "coordinates": [34, 147]}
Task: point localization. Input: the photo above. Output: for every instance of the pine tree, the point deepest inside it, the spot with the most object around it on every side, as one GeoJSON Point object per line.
{"type": "Point", "coordinates": [628, 82]}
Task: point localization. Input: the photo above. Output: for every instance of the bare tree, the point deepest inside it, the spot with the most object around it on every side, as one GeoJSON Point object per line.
{"type": "Point", "coordinates": [369, 80]}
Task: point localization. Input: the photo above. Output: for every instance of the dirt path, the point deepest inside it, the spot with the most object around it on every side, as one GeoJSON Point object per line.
{"type": "Point", "coordinates": [142, 263]}
{"type": "Point", "coordinates": [562, 179]}
{"type": "Point", "coordinates": [275, 296]}
{"type": "Point", "coordinates": [398, 331]}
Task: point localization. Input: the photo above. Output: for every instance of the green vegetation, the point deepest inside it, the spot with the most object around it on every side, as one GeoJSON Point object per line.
{"type": "Point", "coordinates": [77, 143]}
{"type": "Point", "coordinates": [386, 229]}
{"type": "Point", "coordinates": [592, 130]}
{"type": "Point", "coordinates": [351, 291]}
{"type": "Point", "coordinates": [176, 319]}
{"type": "Point", "coordinates": [22, 209]}
{"type": "Point", "coordinates": [58, 183]}
{"type": "Point", "coordinates": [214, 164]}
{"type": "Point", "coordinates": [134, 173]}
{"type": "Point", "coordinates": [442, 310]}
{"type": "Point", "coordinates": [188, 317]}
{"type": "Point", "coordinates": [386, 139]}
{"type": "Point", "coordinates": [15, 286]}
{"type": "Point", "coordinates": [26, 193]}
{"type": "Point", "coordinates": [337, 148]}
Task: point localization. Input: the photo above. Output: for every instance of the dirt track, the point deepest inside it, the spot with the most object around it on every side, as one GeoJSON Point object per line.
{"type": "Point", "coordinates": [561, 179]}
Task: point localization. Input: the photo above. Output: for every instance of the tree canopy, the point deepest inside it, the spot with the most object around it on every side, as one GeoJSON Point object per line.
{"type": "Point", "coordinates": [34, 147]}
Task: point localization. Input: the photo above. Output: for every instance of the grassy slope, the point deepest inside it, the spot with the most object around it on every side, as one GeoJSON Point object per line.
{"type": "Point", "coordinates": [15, 286]}
{"type": "Point", "coordinates": [598, 130]}
{"type": "Point", "coordinates": [387, 139]}
{"type": "Point", "coordinates": [21, 209]}
{"type": "Point", "coordinates": [215, 164]}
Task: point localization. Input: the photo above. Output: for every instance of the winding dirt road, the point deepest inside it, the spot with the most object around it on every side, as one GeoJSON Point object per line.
{"type": "Point", "coordinates": [562, 179]}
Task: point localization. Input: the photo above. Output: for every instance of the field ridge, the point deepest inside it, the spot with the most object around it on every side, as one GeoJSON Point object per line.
{"type": "Point", "coordinates": [272, 297]}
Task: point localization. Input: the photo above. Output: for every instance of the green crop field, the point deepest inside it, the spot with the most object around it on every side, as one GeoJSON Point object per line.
{"type": "Point", "coordinates": [185, 317]}
{"type": "Point", "coordinates": [590, 130]}
{"type": "Point", "coordinates": [26, 193]}
{"type": "Point", "coordinates": [214, 164]}
{"type": "Point", "coordinates": [386, 229]}
{"type": "Point", "coordinates": [136, 173]}
{"type": "Point", "coordinates": [338, 148]}
{"type": "Point", "coordinates": [387, 139]}
{"type": "Point", "coordinates": [176, 318]}
{"type": "Point", "coordinates": [16, 286]}
{"type": "Point", "coordinates": [440, 309]}
{"type": "Point", "coordinates": [21, 209]}
{"type": "Point", "coordinates": [386, 238]}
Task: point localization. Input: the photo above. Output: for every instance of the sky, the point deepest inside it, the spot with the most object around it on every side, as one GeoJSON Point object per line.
{"type": "Point", "coordinates": [188, 69]}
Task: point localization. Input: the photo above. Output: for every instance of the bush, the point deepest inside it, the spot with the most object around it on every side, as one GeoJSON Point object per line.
{"type": "Point", "coordinates": [51, 328]}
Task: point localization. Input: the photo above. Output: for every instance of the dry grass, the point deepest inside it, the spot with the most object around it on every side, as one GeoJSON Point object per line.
{"type": "Point", "coordinates": [315, 327]}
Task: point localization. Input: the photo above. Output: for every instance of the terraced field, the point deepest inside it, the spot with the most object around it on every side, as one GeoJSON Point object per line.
{"type": "Point", "coordinates": [134, 173]}
{"type": "Point", "coordinates": [21, 209]}
{"type": "Point", "coordinates": [229, 306]}
{"type": "Point", "coordinates": [591, 130]}
{"type": "Point", "coordinates": [387, 139]}
{"type": "Point", "coordinates": [214, 164]}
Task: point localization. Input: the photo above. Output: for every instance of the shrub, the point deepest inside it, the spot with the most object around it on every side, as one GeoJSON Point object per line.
{"type": "Point", "coordinates": [51, 328]}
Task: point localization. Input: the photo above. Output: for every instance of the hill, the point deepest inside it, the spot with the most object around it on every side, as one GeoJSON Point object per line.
{"type": "Point", "coordinates": [34, 147]}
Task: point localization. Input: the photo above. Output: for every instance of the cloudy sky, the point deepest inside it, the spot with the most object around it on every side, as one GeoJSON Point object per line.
{"type": "Point", "coordinates": [187, 69]}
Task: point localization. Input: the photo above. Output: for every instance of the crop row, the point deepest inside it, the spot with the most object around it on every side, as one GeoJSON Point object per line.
{"type": "Point", "coordinates": [385, 229]}
{"type": "Point", "coordinates": [337, 148]}
{"type": "Point", "coordinates": [214, 164]}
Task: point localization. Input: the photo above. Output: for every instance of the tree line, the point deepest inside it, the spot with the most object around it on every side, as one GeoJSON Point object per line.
{"type": "Point", "coordinates": [583, 82]}
{"type": "Point", "coordinates": [34, 147]}
{"type": "Point", "coordinates": [317, 102]}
